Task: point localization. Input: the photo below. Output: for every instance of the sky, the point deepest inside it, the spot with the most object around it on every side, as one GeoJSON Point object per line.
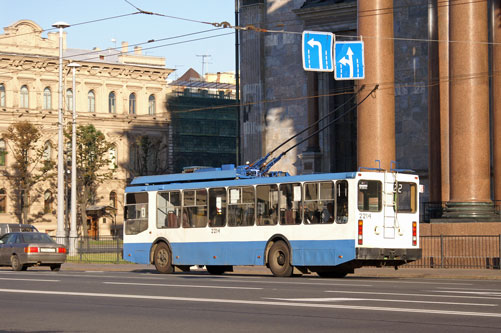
{"type": "Point", "coordinates": [139, 28]}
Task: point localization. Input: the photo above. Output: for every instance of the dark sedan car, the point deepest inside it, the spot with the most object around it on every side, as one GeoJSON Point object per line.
{"type": "Point", "coordinates": [21, 250]}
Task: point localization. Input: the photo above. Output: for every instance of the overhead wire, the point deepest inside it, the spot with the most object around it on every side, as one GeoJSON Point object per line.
{"type": "Point", "coordinates": [223, 25]}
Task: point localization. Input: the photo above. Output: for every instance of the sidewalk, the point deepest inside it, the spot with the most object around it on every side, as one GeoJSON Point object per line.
{"type": "Point", "coordinates": [383, 272]}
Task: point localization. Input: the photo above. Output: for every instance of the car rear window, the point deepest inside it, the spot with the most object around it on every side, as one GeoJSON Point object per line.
{"type": "Point", "coordinates": [37, 238]}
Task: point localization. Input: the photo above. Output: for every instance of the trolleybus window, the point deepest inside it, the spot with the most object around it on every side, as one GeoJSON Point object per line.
{"type": "Point", "coordinates": [369, 196]}
{"type": "Point", "coordinates": [267, 204]}
{"type": "Point", "coordinates": [319, 202]}
{"type": "Point", "coordinates": [342, 201]}
{"type": "Point", "coordinates": [405, 197]}
{"type": "Point", "coordinates": [195, 208]}
{"type": "Point", "coordinates": [168, 209]}
{"type": "Point", "coordinates": [241, 206]}
{"type": "Point", "coordinates": [136, 213]}
{"type": "Point", "coordinates": [217, 207]}
{"type": "Point", "coordinates": [290, 200]}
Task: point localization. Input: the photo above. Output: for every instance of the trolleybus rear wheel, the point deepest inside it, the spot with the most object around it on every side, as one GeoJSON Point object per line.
{"type": "Point", "coordinates": [163, 259]}
{"type": "Point", "coordinates": [279, 259]}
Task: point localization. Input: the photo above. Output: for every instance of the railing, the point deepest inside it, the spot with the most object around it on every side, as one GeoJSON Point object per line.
{"type": "Point", "coordinates": [481, 252]}
{"type": "Point", "coordinates": [103, 249]}
{"type": "Point", "coordinates": [459, 252]}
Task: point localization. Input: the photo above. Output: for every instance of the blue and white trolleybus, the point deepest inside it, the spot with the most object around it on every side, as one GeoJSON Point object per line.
{"type": "Point", "coordinates": [329, 223]}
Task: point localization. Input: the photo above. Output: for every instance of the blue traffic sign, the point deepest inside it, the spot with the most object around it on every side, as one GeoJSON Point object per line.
{"type": "Point", "coordinates": [317, 51]}
{"type": "Point", "coordinates": [349, 57]}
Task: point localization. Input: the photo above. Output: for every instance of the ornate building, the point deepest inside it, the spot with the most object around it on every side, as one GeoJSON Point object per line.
{"type": "Point", "coordinates": [123, 94]}
{"type": "Point", "coordinates": [437, 106]}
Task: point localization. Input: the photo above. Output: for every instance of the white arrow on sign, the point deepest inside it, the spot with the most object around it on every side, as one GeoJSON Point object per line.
{"type": "Point", "coordinates": [348, 61]}
{"type": "Point", "coordinates": [313, 43]}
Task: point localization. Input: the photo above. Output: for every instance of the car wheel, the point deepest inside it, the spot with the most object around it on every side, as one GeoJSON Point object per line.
{"type": "Point", "coordinates": [163, 259]}
{"type": "Point", "coordinates": [15, 263]}
{"type": "Point", "coordinates": [55, 267]}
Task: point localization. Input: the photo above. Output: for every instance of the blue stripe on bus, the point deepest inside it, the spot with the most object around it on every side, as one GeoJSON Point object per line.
{"type": "Point", "coordinates": [304, 253]}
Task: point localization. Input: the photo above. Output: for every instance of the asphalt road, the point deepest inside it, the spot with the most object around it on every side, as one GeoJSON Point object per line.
{"type": "Point", "coordinates": [140, 300]}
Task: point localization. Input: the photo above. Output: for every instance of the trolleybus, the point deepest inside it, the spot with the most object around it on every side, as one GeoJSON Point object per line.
{"type": "Point", "coordinates": [330, 223]}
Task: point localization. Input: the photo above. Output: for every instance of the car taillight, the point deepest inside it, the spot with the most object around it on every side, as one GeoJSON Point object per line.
{"type": "Point", "coordinates": [414, 233]}
{"type": "Point", "coordinates": [31, 249]}
{"type": "Point", "coordinates": [360, 232]}
{"type": "Point", "coordinates": [61, 250]}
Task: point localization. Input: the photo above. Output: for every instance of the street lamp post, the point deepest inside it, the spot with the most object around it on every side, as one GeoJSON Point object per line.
{"type": "Point", "coordinates": [60, 233]}
{"type": "Point", "coordinates": [73, 222]}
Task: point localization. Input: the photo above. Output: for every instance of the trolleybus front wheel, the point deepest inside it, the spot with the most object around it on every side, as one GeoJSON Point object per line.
{"type": "Point", "coordinates": [163, 259]}
{"type": "Point", "coordinates": [279, 260]}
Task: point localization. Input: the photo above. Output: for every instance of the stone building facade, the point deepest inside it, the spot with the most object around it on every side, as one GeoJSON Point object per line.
{"type": "Point", "coordinates": [280, 99]}
{"type": "Point", "coordinates": [122, 93]}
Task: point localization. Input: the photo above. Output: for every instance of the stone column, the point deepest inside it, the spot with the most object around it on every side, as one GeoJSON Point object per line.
{"type": "Point", "coordinates": [312, 91]}
{"type": "Point", "coordinates": [496, 97]}
{"type": "Point", "coordinates": [311, 157]}
{"type": "Point", "coordinates": [376, 116]}
{"type": "Point", "coordinates": [443, 68]}
{"type": "Point", "coordinates": [434, 124]}
{"type": "Point", "coordinates": [469, 112]}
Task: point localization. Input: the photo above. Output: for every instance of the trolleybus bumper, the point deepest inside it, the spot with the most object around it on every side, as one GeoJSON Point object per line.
{"type": "Point", "coordinates": [386, 257]}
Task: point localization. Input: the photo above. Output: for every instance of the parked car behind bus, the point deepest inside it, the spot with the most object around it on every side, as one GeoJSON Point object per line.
{"type": "Point", "coordinates": [21, 250]}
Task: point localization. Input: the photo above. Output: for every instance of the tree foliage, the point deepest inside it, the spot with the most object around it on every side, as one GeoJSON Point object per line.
{"type": "Point", "coordinates": [94, 165]}
{"type": "Point", "coordinates": [30, 166]}
{"type": "Point", "coordinates": [148, 156]}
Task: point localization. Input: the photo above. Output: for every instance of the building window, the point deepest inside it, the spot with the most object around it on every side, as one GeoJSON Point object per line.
{"type": "Point", "coordinates": [47, 151]}
{"type": "Point", "coordinates": [112, 106]}
{"type": "Point", "coordinates": [2, 95]}
{"type": "Point", "coordinates": [113, 157]}
{"type": "Point", "coordinates": [91, 97]}
{"type": "Point", "coordinates": [151, 105]}
{"type": "Point", "coordinates": [113, 199]}
{"type": "Point", "coordinates": [24, 101]}
{"type": "Point", "coordinates": [69, 100]}
{"type": "Point", "coordinates": [47, 202]}
{"type": "Point", "coordinates": [47, 99]}
{"type": "Point", "coordinates": [132, 103]}
{"type": "Point", "coordinates": [3, 201]}
{"type": "Point", "coordinates": [3, 152]}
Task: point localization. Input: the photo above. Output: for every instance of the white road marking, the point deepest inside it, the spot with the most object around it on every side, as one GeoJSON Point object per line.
{"type": "Point", "coordinates": [298, 283]}
{"type": "Point", "coordinates": [403, 294]}
{"type": "Point", "coordinates": [374, 300]}
{"type": "Point", "coordinates": [180, 285]}
{"type": "Point", "coordinates": [475, 289]}
{"type": "Point", "coordinates": [36, 280]}
{"type": "Point", "coordinates": [262, 303]}
{"type": "Point", "coordinates": [483, 293]}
